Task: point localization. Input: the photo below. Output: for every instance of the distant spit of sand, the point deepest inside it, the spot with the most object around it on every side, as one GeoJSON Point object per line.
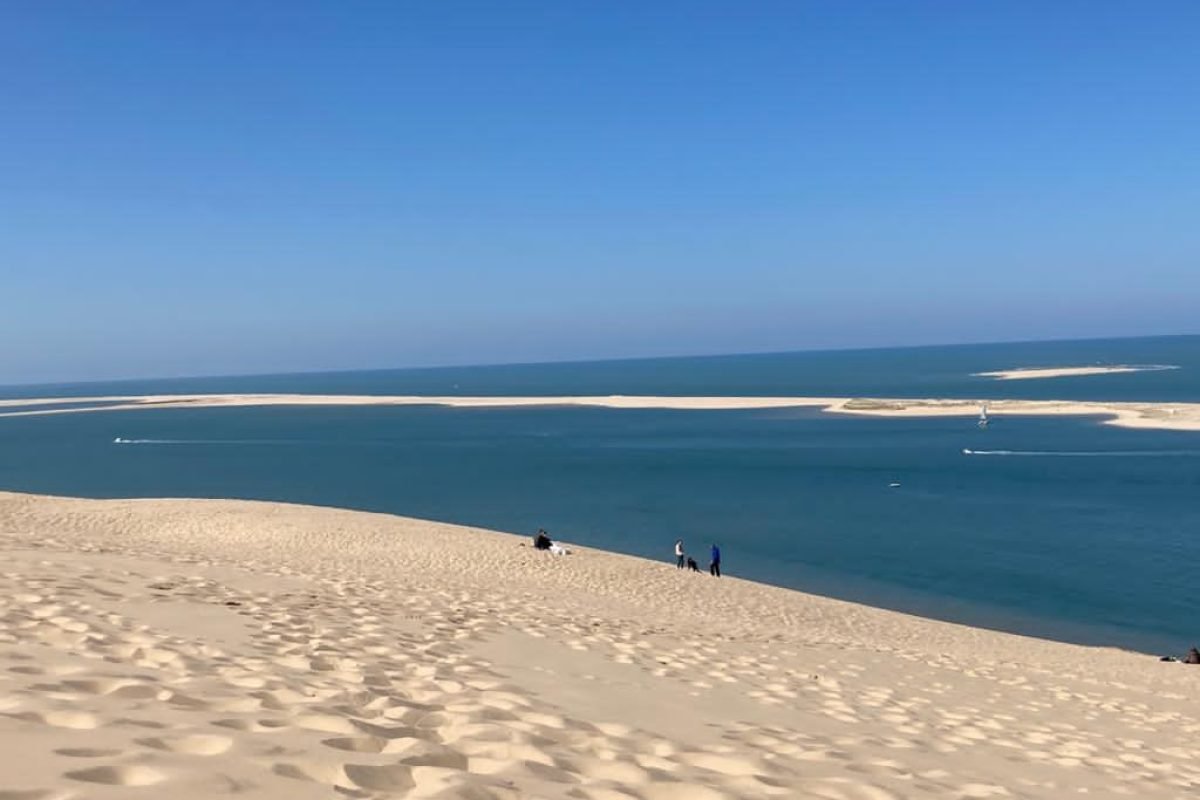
{"type": "Point", "coordinates": [1030, 373]}
{"type": "Point", "coordinates": [209, 648]}
{"type": "Point", "coordinates": [1169, 416]}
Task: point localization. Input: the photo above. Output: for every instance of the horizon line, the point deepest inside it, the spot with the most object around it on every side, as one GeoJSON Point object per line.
{"type": "Point", "coordinates": [564, 362]}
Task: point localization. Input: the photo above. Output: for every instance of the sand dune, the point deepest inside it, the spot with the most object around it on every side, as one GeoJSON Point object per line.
{"type": "Point", "coordinates": [1167, 416]}
{"type": "Point", "coordinates": [200, 648]}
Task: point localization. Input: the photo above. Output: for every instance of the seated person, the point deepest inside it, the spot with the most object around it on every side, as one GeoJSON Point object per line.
{"type": "Point", "coordinates": [541, 541]}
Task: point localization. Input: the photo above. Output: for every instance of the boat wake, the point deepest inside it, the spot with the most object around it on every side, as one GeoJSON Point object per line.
{"type": "Point", "coordinates": [120, 440]}
{"type": "Point", "coordinates": [1084, 453]}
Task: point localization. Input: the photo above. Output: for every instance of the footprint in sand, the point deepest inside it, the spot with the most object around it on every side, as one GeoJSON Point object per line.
{"type": "Point", "coordinates": [389, 732]}
{"type": "Point", "coordinates": [316, 773]}
{"type": "Point", "coordinates": [252, 725]}
{"type": "Point", "coordinates": [83, 752]}
{"type": "Point", "coordinates": [621, 772]}
{"type": "Point", "coordinates": [844, 789]}
{"type": "Point", "coordinates": [123, 775]}
{"type": "Point", "coordinates": [325, 723]}
{"type": "Point", "coordinates": [421, 753]}
{"type": "Point", "coordinates": [681, 791]}
{"type": "Point", "coordinates": [388, 778]}
{"type": "Point", "coordinates": [982, 790]}
{"type": "Point", "coordinates": [723, 764]}
{"type": "Point", "coordinates": [195, 745]}
{"type": "Point", "coordinates": [357, 744]}
{"type": "Point", "coordinates": [27, 670]}
{"type": "Point", "coordinates": [74, 720]}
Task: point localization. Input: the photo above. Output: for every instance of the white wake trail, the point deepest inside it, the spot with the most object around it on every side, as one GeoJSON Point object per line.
{"type": "Point", "coordinates": [120, 440]}
{"type": "Point", "coordinates": [1084, 453]}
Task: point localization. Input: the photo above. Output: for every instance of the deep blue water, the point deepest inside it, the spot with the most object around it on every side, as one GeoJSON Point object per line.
{"type": "Point", "coordinates": [906, 372]}
{"type": "Point", "coordinates": [1073, 529]}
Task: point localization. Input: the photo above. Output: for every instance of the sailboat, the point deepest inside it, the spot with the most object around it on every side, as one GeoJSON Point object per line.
{"type": "Point", "coordinates": [983, 417]}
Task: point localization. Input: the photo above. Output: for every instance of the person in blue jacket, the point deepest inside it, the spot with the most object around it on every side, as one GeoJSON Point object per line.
{"type": "Point", "coordinates": [714, 565]}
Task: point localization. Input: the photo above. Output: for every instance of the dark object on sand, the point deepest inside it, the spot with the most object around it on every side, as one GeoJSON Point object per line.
{"type": "Point", "coordinates": [692, 565]}
{"type": "Point", "coordinates": [1168, 658]}
{"type": "Point", "coordinates": [541, 541]}
{"type": "Point", "coordinates": [1193, 657]}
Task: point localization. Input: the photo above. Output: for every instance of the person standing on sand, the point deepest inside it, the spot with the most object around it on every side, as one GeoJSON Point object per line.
{"type": "Point", "coordinates": [679, 556]}
{"type": "Point", "coordinates": [714, 566]}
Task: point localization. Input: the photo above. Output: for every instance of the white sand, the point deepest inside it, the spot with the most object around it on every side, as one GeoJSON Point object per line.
{"type": "Point", "coordinates": [201, 648]}
{"type": "Point", "coordinates": [1169, 416]}
{"type": "Point", "coordinates": [1030, 373]}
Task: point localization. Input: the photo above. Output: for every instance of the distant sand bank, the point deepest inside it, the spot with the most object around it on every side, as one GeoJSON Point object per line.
{"type": "Point", "coordinates": [1030, 373]}
{"type": "Point", "coordinates": [199, 648]}
{"type": "Point", "coordinates": [1167, 416]}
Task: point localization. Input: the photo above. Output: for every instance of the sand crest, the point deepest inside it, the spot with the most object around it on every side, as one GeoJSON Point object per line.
{"type": "Point", "coordinates": [201, 648]}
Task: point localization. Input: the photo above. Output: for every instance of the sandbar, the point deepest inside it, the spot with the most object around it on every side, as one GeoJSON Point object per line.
{"type": "Point", "coordinates": [1165, 416]}
{"type": "Point", "coordinates": [202, 648]}
{"type": "Point", "coordinates": [1032, 373]}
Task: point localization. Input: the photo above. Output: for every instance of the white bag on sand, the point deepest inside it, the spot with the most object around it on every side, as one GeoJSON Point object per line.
{"type": "Point", "coordinates": [560, 549]}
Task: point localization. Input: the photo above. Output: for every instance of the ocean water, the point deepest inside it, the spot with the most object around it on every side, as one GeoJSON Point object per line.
{"type": "Point", "coordinates": [1057, 527]}
{"type": "Point", "coordinates": [905, 372]}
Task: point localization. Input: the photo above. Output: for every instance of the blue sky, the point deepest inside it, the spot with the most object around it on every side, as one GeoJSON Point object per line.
{"type": "Point", "coordinates": [199, 188]}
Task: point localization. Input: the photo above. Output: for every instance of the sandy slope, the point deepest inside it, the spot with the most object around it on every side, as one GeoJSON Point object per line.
{"type": "Point", "coordinates": [201, 648]}
{"type": "Point", "coordinates": [1169, 416]}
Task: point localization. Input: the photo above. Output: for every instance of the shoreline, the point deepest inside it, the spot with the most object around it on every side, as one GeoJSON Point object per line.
{"type": "Point", "coordinates": [296, 651]}
{"type": "Point", "coordinates": [1160, 416]}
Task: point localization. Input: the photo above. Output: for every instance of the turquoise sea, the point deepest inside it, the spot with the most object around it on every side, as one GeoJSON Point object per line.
{"type": "Point", "coordinates": [1067, 529]}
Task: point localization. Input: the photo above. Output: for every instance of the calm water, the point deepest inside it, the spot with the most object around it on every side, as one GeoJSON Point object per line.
{"type": "Point", "coordinates": [1070, 529]}
{"type": "Point", "coordinates": [908, 372]}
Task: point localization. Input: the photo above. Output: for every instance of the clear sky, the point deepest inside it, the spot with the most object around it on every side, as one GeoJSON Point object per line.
{"type": "Point", "coordinates": [219, 187]}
